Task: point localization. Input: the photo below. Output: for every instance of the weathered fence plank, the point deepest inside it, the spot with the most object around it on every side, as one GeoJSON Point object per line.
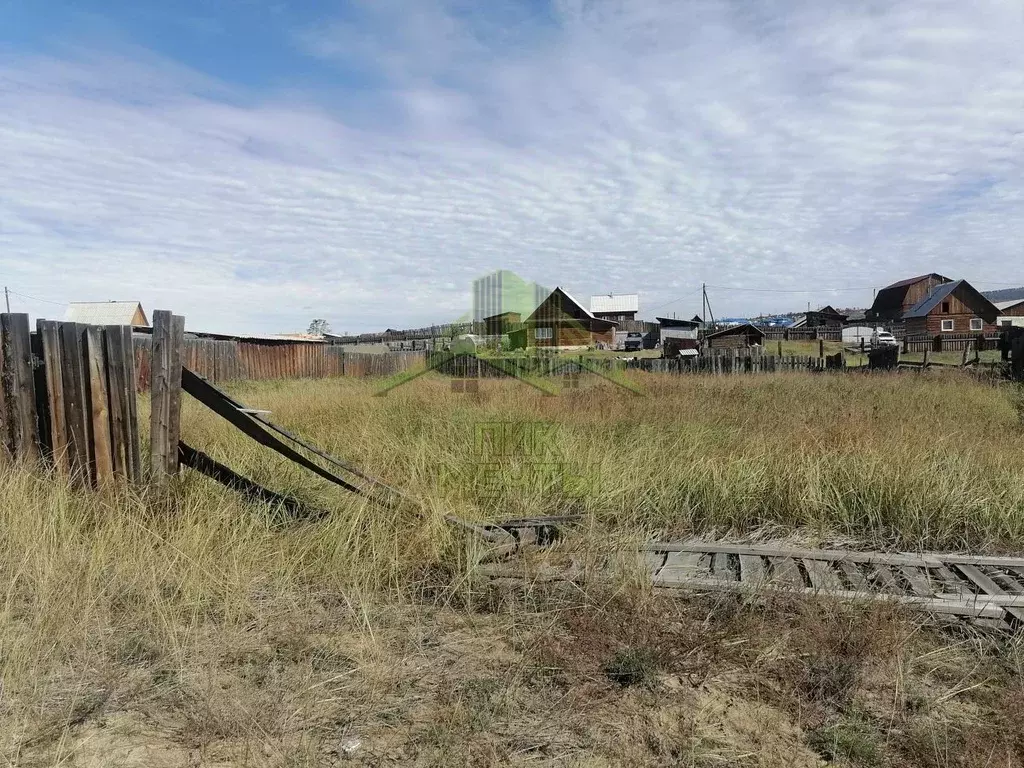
{"type": "Point", "coordinates": [19, 387]}
{"type": "Point", "coordinates": [165, 417]}
{"type": "Point", "coordinates": [98, 407]}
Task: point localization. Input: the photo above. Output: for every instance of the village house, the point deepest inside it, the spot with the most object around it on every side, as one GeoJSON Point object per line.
{"type": "Point", "coordinates": [1011, 313]}
{"type": "Point", "coordinates": [894, 300]}
{"type": "Point", "coordinates": [617, 308]}
{"type": "Point", "coordinates": [561, 321]}
{"type": "Point", "coordinates": [954, 307]}
{"type": "Point", "coordinates": [107, 313]}
{"type": "Point", "coordinates": [745, 335]}
{"type": "Point", "coordinates": [826, 317]}
{"type": "Point", "coordinates": [678, 337]}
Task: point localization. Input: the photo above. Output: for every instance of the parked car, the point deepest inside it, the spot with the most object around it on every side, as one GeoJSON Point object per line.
{"type": "Point", "coordinates": [634, 342]}
{"type": "Point", "coordinates": [884, 339]}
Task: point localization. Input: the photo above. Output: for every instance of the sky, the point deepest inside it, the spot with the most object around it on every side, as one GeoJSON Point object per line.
{"type": "Point", "coordinates": [255, 164]}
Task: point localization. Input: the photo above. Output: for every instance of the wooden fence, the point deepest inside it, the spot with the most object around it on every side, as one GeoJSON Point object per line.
{"type": "Point", "coordinates": [68, 398]}
{"type": "Point", "coordinates": [223, 360]}
{"type": "Point", "coordinates": [725, 365]}
{"type": "Point", "coordinates": [949, 342]}
{"type": "Point", "coordinates": [469, 366]}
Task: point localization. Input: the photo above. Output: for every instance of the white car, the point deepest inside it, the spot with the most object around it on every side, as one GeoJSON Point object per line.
{"type": "Point", "coordinates": [884, 339]}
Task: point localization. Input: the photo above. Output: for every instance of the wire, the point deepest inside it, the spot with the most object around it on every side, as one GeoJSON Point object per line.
{"type": "Point", "coordinates": [36, 298]}
{"type": "Point", "coordinates": [790, 290]}
{"type": "Point", "coordinates": [673, 301]}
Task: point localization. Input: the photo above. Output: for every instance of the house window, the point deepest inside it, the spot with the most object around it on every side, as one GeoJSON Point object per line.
{"type": "Point", "coordinates": [945, 307]}
{"type": "Point", "coordinates": [1007, 323]}
{"type": "Point", "coordinates": [947, 325]}
{"type": "Point", "coordinates": [543, 333]}
{"type": "Point", "coordinates": [976, 324]}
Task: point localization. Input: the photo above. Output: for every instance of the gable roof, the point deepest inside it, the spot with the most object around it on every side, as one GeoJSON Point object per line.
{"type": "Point", "coordinates": [586, 312]}
{"type": "Point", "coordinates": [828, 309]}
{"type": "Point", "coordinates": [625, 302]}
{"type": "Point", "coordinates": [938, 294]}
{"type": "Point", "coordinates": [912, 280]}
{"type": "Point", "coordinates": [1001, 305]}
{"type": "Point", "coordinates": [736, 330]}
{"type": "Point", "coordinates": [104, 312]}
{"type": "Point", "coordinates": [671, 322]}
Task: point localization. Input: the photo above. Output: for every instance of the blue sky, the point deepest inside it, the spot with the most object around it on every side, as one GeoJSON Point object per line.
{"type": "Point", "coordinates": [253, 165]}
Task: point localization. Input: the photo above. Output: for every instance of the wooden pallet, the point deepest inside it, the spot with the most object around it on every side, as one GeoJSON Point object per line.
{"type": "Point", "coordinates": [980, 587]}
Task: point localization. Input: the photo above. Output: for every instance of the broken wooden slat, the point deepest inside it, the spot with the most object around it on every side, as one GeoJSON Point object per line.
{"type": "Point", "coordinates": [1000, 562]}
{"type": "Point", "coordinates": [217, 402]}
{"type": "Point", "coordinates": [720, 566]}
{"type": "Point", "coordinates": [752, 569]}
{"type": "Point", "coordinates": [750, 549]}
{"type": "Point", "coordinates": [854, 576]}
{"type": "Point", "coordinates": [822, 576]}
{"type": "Point", "coordinates": [918, 579]}
{"type": "Point", "coordinates": [949, 581]}
{"type": "Point", "coordinates": [884, 579]}
{"type": "Point", "coordinates": [785, 571]}
{"type": "Point", "coordinates": [988, 586]}
{"type": "Point", "coordinates": [685, 565]}
{"type": "Point", "coordinates": [970, 607]}
{"type": "Point", "coordinates": [200, 462]}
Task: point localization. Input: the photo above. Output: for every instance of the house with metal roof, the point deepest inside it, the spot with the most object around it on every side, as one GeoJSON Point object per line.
{"type": "Point", "coordinates": [615, 307]}
{"type": "Point", "coordinates": [107, 313]}
{"type": "Point", "coordinates": [894, 300]}
{"type": "Point", "coordinates": [1011, 313]}
{"type": "Point", "coordinates": [951, 308]}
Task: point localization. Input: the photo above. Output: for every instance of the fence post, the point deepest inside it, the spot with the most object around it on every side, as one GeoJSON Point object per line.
{"type": "Point", "coordinates": [19, 390]}
{"type": "Point", "coordinates": [165, 392]}
{"type": "Point", "coordinates": [821, 347]}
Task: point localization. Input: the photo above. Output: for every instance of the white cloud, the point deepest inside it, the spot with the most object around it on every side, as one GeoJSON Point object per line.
{"type": "Point", "coordinates": [623, 146]}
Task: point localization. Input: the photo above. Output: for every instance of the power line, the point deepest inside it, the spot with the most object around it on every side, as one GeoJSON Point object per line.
{"type": "Point", "coordinates": [673, 301]}
{"type": "Point", "coordinates": [36, 298]}
{"type": "Point", "coordinates": [789, 290]}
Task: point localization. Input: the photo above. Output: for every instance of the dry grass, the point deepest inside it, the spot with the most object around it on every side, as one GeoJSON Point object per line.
{"type": "Point", "coordinates": [186, 628]}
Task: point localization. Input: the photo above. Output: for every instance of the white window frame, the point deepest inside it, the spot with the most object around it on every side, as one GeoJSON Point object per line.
{"type": "Point", "coordinates": [948, 325]}
{"type": "Point", "coordinates": [543, 333]}
{"type": "Point", "coordinates": [977, 324]}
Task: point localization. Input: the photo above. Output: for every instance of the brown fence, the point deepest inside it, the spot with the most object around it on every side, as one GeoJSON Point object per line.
{"type": "Point", "coordinates": [221, 360]}
{"type": "Point", "coordinates": [469, 366]}
{"type": "Point", "coordinates": [949, 342]}
{"type": "Point", "coordinates": [728, 365]}
{"type": "Point", "coordinates": [67, 398]}
{"type": "Point", "coordinates": [774, 333]}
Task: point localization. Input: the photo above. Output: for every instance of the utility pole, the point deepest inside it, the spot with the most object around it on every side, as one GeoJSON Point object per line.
{"type": "Point", "coordinates": [7, 298]}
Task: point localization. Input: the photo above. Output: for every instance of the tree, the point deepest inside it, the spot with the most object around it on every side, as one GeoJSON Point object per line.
{"type": "Point", "coordinates": [319, 327]}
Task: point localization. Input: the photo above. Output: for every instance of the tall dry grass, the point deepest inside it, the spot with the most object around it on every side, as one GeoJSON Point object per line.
{"type": "Point", "coordinates": [908, 462]}
{"type": "Point", "coordinates": [228, 637]}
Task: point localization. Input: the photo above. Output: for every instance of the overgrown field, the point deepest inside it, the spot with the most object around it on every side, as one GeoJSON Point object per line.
{"type": "Point", "coordinates": [184, 627]}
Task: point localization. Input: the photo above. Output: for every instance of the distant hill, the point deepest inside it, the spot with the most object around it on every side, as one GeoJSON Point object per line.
{"type": "Point", "coordinates": [1006, 294]}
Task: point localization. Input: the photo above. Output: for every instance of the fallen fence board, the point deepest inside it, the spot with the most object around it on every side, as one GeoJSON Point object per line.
{"type": "Point", "coordinates": [224, 407]}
